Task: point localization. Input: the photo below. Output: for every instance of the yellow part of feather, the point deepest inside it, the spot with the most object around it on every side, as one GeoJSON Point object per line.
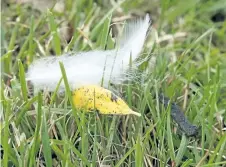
{"type": "Point", "coordinates": [91, 98]}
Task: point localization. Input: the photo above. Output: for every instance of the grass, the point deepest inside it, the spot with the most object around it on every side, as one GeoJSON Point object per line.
{"type": "Point", "coordinates": [188, 44]}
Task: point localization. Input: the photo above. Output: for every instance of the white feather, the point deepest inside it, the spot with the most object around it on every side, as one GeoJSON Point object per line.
{"type": "Point", "coordinates": [84, 68]}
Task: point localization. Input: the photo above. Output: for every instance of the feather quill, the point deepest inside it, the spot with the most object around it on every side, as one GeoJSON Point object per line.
{"type": "Point", "coordinates": [85, 68]}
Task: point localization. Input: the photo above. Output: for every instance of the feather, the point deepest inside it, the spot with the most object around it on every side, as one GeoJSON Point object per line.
{"type": "Point", "coordinates": [85, 68]}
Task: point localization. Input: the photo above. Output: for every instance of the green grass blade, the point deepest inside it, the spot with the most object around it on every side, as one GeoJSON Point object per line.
{"type": "Point", "coordinates": [96, 29]}
{"type": "Point", "coordinates": [23, 81]}
{"type": "Point", "coordinates": [138, 152]}
{"type": "Point", "coordinates": [187, 163]}
{"type": "Point", "coordinates": [61, 155]}
{"type": "Point", "coordinates": [68, 91]}
{"type": "Point", "coordinates": [94, 154]}
{"type": "Point", "coordinates": [105, 33]}
{"type": "Point", "coordinates": [221, 151]}
{"type": "Point", "coordinates": [56, 39]}
{"type": "Point", "coordinates": [170, 138]}
{"type": "Point", "coordinates": [6, 135]}
{"type": "Point", "coordinates": [53, 97]}
{"type": "Point", "coordinates": [111, 136]}
{"type": "Point", "coordinates": [128, 153]}
{"type": "Point", "coordinates": [31, 42]}
{"type": "Point", "coordinates": [222, 163]}
{"type": "Point", "coordinates": [181, 151]}
{"type": "Point", "coordinates": [35, 141]}
{"type": "Point", "coordinates": [129, 87]}
{"type": "Point", "coordinates": [180, 8]}
{"type": "Point", "coordinates": [219, 147]}
{"type": "Point", "coordinates": [8, 60]}
{"type": "Point", "coordinates": [46, 143]}
{"type": "Point", "coordinates": [21, 53]}
{"type": "Point", "coordinates": [81, 156]}
{"type": "Point", "coordinates": [84, 136]}
{"type": "Point", "coordinates": [25, 109]}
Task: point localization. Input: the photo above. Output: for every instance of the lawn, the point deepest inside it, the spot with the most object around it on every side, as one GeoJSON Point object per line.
{"type": "Point", "coordinates": [185, 59]}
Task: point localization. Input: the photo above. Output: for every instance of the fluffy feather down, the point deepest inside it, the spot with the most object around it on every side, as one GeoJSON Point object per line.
{"type": "Point", "coordinates": [85, 68]}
